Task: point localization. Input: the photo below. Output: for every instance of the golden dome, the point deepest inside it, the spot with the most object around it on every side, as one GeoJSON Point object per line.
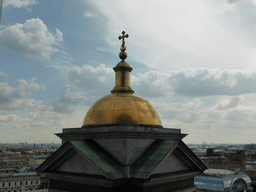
{"type": "Point", "coordinates": [122, 106]}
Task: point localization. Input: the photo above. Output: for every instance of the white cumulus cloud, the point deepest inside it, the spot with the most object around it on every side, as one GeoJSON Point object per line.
{"type": "Point", "coordinates": [88, 14]}
{"type": "Point", "coordinates": [96, 80]}
{"type": "Point", "coordinates": [181, 34]}
{"type": "Point", "coordinates": [10, 118]}
{"type": "Point", "coordinates": [151, 84]}
{"type": "Point", "coordinates": [31, 39]}
{"type": "Point", "coordinates": [19, 3]}
{"type": "Point", "coordinates": [100, 79]}
{"type": "Point", "coordinates": [18, 97]}
{"type": "Point", "coordinates": [237, 115]}
{"type": "Point", "coordinates": [209, 83]}
{"type": "Point", "coordinates": [63, 103]}
{"type": "Point", "coordinates": [227, 104]}
{"type": "Point", "coordinates": [193, 104]}
{"type": "Point", "coordinates": [192, 83]}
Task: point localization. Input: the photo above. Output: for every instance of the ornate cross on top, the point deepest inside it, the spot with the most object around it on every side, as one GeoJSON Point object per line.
{"type": "Point", "coordinates": [123, 42]}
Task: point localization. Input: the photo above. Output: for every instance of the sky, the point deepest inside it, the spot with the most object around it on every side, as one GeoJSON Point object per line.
{"type": "Point", "coordinates": [194, 61]}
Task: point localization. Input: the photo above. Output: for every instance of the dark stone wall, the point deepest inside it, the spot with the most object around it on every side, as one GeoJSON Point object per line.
{"type": "Point", "coordinates": [76, 187]}
{"type": "Point", "coordinates": [126, 185]}
{"type": "Point", "coordinates": [172, 186]}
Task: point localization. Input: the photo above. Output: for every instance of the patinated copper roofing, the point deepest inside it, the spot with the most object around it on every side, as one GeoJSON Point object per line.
{"type": "Point", "coordinates": [144, 165]}
{"type": "Point", "coordinates": [141, 167]}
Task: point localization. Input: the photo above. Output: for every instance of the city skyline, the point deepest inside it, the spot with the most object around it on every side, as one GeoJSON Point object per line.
{"type": "Point", "coordinates": [194, 61]}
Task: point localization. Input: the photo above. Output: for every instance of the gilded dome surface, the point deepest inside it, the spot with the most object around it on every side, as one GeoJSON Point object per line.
{"type": "Point", "coordinates": [122, 108]}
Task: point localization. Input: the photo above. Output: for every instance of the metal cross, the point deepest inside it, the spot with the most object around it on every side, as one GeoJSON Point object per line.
{"type": "Point", "coordinates": [123, 42]}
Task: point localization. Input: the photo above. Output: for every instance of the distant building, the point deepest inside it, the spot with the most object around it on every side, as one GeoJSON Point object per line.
{"type": "Point", "coordinates": [8, 170]}
{"type": "Point", "coordinates": [13, 162]}
{"type": "Point", "coordinates": [16, 182]}
{"type": "Point", "coordinates": [24, 169]}
{"type": "Point", "coordinates": [229, 161]}
{"type": "Point", "coordinates": [45, 182]}
{"type": "Point", "coordinates": [250, 147]}
{"type": "Point", "coordinates": [222, 163]}
{"type": "Point", "coordinates": [38, 190]}
{"type": "Point", "coordinates": [34, 163]}
{"type": "Point", "coordinates": [215, 180]}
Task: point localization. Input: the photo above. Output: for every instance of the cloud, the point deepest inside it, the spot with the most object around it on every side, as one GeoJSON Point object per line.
{"type": "Point", "coordinates": [88, 14]}
{"type": "Point", "coordinates": [227, 104]}
{"type": "Point", "coordinates": [238, 5]}
{"type": "Point", "coordinates": [68, 100]}
{"type": "Point", "coordinates": [237, 115]}
{"type": "Point", "coordinates": [175, 113]}
{"type": "Point", "coordinates": [31, 120]}
{"type": "Point", "coordinates": [180, 34]}
{"type": "Point", "coordinates": [151, 84]}
{"type": "Point", "coordinates": [10, 118]}
{"type": "Point", "coordinates": [96, 80]}
{"type": "Point", "coordinates": [232, 1]}
{"type": "Point", "coordinates": [252, 2]}
{"type": "Point", "coordinates": [193, 104]}
{"type": "Point", "coordinates": [199, 83]}
{"type": "Point", "coordinates": [193, 83]}
{"type": "Point", "coordinates": [31, 39]}
{"type": "Point", "coordinates": [38, 126]}
{"type": "Point", "coordinates": [17, 98]}
{"type": "Point", "coordinates": [19, 3]}
{"type": "Point", "coordinates": [207, 123]}
{"type": "Point", "coordinates": [100, 79]}
{"type": "Point", "coordinates": [188, 116]}
{"type": "Point", "coordinates": [212, 116]}
{"type": "Point", "coordinates": [2, 73]}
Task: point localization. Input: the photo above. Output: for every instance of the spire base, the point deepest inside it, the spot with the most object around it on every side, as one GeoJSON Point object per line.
{"type": "Point", "coordinates": [122, 90]}
{"type": "Point", "coordinates": [122, 85]}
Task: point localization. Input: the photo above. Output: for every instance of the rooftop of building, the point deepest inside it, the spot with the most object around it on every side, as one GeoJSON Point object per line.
{"type": "Point", "coordinates": [28, 174]}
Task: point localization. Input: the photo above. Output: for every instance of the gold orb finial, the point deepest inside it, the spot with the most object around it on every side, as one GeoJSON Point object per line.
{"type": "Point", "coordinates": [123, 54]}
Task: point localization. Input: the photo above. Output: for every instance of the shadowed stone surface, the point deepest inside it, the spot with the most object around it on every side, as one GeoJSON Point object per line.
{"type": "Point", "coordinates": [125, 149]}
{"type": "Point", "coordinates": [77, 164]}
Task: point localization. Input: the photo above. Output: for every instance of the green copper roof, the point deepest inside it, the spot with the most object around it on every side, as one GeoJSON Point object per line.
{"type": "Point", "coordinates": [99, 158]}
{"type": "Point", "coordinates": [148, 160]}
{"type": "Point", "coordinates": [140, 168]}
